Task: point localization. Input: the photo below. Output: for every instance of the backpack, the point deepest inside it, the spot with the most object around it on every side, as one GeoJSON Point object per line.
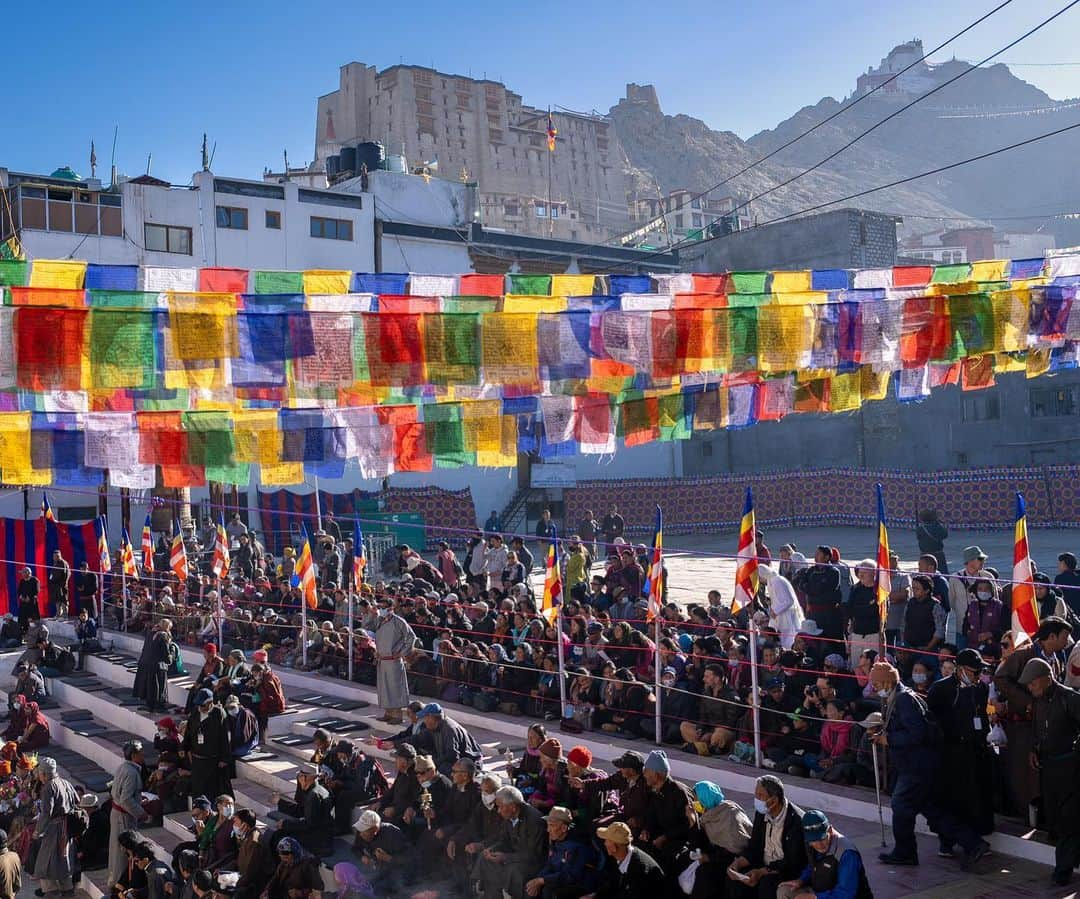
{"type": "Point", "coordinates": [78, 822]}
{"type": "Point", "coordinates": [176, 662]}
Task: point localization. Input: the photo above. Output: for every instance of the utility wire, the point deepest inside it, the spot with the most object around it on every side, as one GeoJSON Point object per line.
{"type": "Point", "coordinates": [893, 115]}
{"type": "Point", "coordinates": [897, 183]}
{"type": "Point", "coordinates": [839, 112]}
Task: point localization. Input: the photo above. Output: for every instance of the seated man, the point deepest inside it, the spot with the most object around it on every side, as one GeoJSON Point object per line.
{"type": "Point", "coordinates": [518, 853]}
{"type": "Point", "coordinates": [312, 830]}
{"type": "Point", "coordinates": [28, 683]}
{"type": "Point", "coordinates": [386, 855]}
{"type": "Point", "coordinates": [357, 780]}
{"type": "Point", "coordinates": [770, 858]}
{"type": "Point", "coordinates": [571, 868]}
{"type": "Point", "coordinates": [398, 805]}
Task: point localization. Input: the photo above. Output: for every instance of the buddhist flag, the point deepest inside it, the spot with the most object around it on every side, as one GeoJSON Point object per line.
{"type": "Point", "coordinates": [654, 578]}
{"type": "Point", "coordinates": [884, 573]}
{"type": "Point", "coordinates": [127, 556]}
{"type": "Point", "coordinates": [100, 528]}
{"type": "Point", "coordinates": [178, 555]}
{"type": "Point", "coordinates": [46, 509]}
{"type": "Point", "coordinates": [1025, 611]}
{"type": "Point", "coordinates": [147, 545]}
{"type": "Point", "coordinates": [746, 563]}
{"type": "Point", "coordinates": [220, 563]}
{"type": "Point", "coordinates": [552, 579]}
{"type": "Point", "coordinates": [359, 556]}
{"type": "Point", "coordinates": [552, 133]}
{"type": "Point", "coordinates": [305, 573]}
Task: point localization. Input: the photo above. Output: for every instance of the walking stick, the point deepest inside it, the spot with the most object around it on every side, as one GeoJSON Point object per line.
{"type": "Point", "coordinates": [877, 791]}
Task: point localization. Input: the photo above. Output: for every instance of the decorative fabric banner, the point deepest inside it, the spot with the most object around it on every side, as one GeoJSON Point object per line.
{"type": "Point", "coordinates": [58, 274]}
{"type": "Point", "coordinates": [112, 277]}
{"type": "Point", "coordinates": [323, 281]}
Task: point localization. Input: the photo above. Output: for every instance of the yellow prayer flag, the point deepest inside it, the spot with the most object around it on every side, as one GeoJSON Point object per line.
{"type": "Point", "coordinates": [516, 302]}
{"type": "Point", "coordinates": [1011, 312]}
{"type": "Point", "coordinates": [845, 392]}
{"type": "Point", "coordinates": [28, 477]}
{"type": "Point", "coordinates": [784, 337]}
{"type": "Point", "coordinates": [572, 285]}
{"type": "Point", "coordinates": [508, 348]}
{"type": "Point", "coordinates": [989, 270]}
{"type": "Point", "coordinates": [326, 281]}
{"type": "Point", "coordinates": [800, 298]}
{"type": "Point", "coordinates": [874, 385]}
{"type": "Point", "coordinates": [791, 282]}
{"type": "Point", "coordinates": [1038, 362]}
{"type": "Point", "coordinates": [59, 274]}
{"type": "Point", "coordinates": [284, 474]}
{"type": "Point", "coordinates": [15, 441]}
{"type": "Point", "coordinates": [1005, 363]}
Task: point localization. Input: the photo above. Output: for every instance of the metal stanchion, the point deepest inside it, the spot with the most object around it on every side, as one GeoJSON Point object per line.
{"type": "Point", "coordinates": [755, 704]}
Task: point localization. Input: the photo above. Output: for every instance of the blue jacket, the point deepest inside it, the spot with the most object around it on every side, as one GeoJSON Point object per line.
{"type": "Point", "coordinates": [851, 880]}
{"type": "Point", "coordinates": [569, 863]}
{"type": "Point", "coordinates": [908, 734]}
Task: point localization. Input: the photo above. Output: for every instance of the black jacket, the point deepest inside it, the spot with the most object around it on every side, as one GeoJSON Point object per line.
{"type": "Point", "coordinates": [792, 841]}
{"type": "Point", "coordinates": [644, 878]}
{"type": "Point", "coordinates": [525, 845]}
{"type": "Point", "coordinates": [313, 830]}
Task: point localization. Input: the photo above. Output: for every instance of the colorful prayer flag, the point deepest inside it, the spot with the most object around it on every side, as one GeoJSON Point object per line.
{"type": "Point", "coordinates": [1025, 610]}
{"type": "Point", "coordinates": [305, 573]}
{"type": "Point", "coordinates": [552, 133]}
{"type": "Point", "coordinates": [884, 566]}
{"type": "Point", "coordinates": [178, 560]}
{"type": "Point", "coordinates": [654, 578]}
{"type": "Point", "coordinates": [104, 562]}
{"type": "Point", "coordinates": [552, 579]}
{"type": "Point", "coordinates": [46, 509]}
{"type": "Point", "coordinates": [359, 556]}
{"type": "Point", "coordinates": [746, 570]}
{"type": "Point", "coordinates": [147, 545]}
{"type": "Point", "coordinates": [127, 556]}
{"type": "Point", "coordinates": [220, 563]}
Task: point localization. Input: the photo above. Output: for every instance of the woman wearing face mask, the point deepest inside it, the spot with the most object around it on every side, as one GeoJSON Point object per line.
{"type": "Point", "coordinates": [921, 678]}
{"type": "Point", "coordinates": [985, 619]}
{"type": "Point", "coordinates": [967, 781]}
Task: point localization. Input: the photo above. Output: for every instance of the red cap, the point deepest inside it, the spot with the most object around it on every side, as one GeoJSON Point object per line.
{"type": "Point", "coordinates": [210, 647]}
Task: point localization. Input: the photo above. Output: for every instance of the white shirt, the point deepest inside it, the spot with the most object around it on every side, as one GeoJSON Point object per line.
{"type": "Point", "coordinates": [625, 863]}
{"type": "Point", "coordinates": [774, 831]}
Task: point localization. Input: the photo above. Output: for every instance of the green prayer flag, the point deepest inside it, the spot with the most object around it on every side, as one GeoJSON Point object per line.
{"type": "Point", "coordinates": [530, 285]}
{"type": "Point", "coordinates": [971, 324]}
{"type": "Point", "coordinates": [674, 421]}
{"type": "Point", "coordinates": [279, 282]}
{"type": "Point", "coordinates": [238, 473]}
{"type": "Point", "coordinates": [743, 338]}
{"type": "Point", "coordinates": [470, 304]}
{"type": "Point", "coordinates": [951, 274]}
{"type": "Point", "coordinates": [13, 272]}
{"type": "Point", "coordinates": [749, 282]}
{"type": "Point", "coordinates": [123, 299]}
{"type": "Point", "coordinates": [445, 436]}
{"type": "Point", "coordinates": [452, 348]}
{"type": "Point", "coordinates": [122, 349]}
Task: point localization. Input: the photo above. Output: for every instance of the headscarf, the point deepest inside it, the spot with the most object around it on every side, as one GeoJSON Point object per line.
{"type": "Point", "coordinates": [708, 794]}
{"type": "Point", "coordinates": [34, 716]}
{"type": "Point", "coordinates": [349, 879]}
{"type": "Point", "coordinates": [10, 752]}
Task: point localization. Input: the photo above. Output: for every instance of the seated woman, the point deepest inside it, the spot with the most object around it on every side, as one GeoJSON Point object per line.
{"type": "Point", "coordinates": [36, 734]}
{"type": "Point", "coordinates": [212, 666]}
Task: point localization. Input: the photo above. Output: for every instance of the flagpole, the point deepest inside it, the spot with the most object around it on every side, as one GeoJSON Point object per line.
{"type": "Point", "coordinates": [754, 702]}
{"type": "Point", "coordinates": [123, 595]}
{"type": "Point", "coordinates": [352, 601]}
{"type": "Point", "coordinates": [220, 618]}
{"type": "Point", "coordinates": [658, 680]}
{"type": "Point", "coordinates": [303, 628]}
{"type": "Point", "coordinates": [318, 506]}
{"type": "Point", "coordinates": [562, 662]}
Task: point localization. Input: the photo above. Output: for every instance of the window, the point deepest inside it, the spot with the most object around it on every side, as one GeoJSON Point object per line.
{"type": "Point", "coordinates": [695, 203]}
{"type": "Point", "coordinates": [234, 217]}
{"type": "Point", "coordinates": [331, 229]}
{"type": "Point", "coordinates": [554, 212]}
{"type": "Point", "coordinates": [541, 211]}
{"type": "Point", "coordinates": [981, 407]}
{"type": "Point", "coordinates": [696, 219]}
{"type": "Point", "coordinates": [273, 219]}
{"type": "Point", "coordinates": [679, 220]}
{"type": "Point", "coordinates": [1048, 402]}
{"type": "Point", "coordinates": [167, 238]}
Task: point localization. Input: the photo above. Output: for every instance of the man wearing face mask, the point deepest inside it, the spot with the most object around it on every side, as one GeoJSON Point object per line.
{"type": "Point", "coordinates": [394, 640]}
{"type": "Point", "coordinates": [254, 861]}
{"type": "Point", "coordinates": [243, 731]}
{"type": "Point", "coordinates": [913, 740]}
{"type": "Point", "coordinates": [776, 851]}
{"type": "Point", "coordinates": [966, 781]}
{"type": "Point", "coordinates": [207, 741]}
{"type": "Point", "coordinates": [218, 852]}
{"type": "Point", "coordinates": [985, 620]}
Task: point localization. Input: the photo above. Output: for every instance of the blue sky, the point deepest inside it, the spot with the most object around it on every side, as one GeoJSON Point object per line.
{"type": "Point", "coordinates": [248, 73]}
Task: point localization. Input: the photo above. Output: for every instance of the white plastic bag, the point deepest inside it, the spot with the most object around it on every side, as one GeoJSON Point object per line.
{"type": "Point", "coordinates": [686, 879]}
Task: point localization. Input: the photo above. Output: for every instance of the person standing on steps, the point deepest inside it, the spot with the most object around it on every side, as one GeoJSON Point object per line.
{"type": "Point", "coordinates": [56, 852]}
{"type": "Point", "coordinates": [127, 810]}
{"type": "Point", "coordinates": [394, 640]}
{"type": "Point", "coordinates": [206, 739]}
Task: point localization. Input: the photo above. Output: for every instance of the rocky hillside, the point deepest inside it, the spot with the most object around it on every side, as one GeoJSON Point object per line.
{"type": "Point", "coordinates": [986, 109]}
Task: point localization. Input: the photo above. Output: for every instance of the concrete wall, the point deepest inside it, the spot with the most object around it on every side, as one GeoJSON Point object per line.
{"type": "Point", "coordinates": [936, 434]}
{"type": "Point", "coordinates": [846, 238]}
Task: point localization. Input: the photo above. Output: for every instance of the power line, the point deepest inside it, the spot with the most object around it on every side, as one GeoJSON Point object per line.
{"type": "Point", "coordinates": [897, 183]}
{"type": "Point", "coordinates": [893, 115]}
{"type": "Point", "coordinates": [838, 112]}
